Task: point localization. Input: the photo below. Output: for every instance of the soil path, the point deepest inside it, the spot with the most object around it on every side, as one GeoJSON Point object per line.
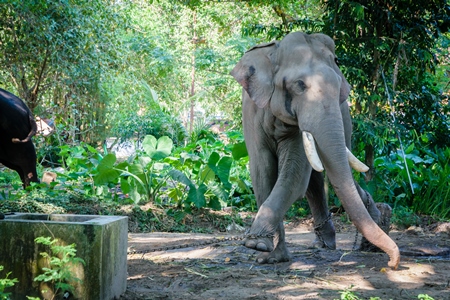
{"type": "Point", "coordinates": [227, 270]}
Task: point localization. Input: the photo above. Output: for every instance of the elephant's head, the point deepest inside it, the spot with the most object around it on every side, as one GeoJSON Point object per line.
{"type": "Point", "coordinates": [299, 81]}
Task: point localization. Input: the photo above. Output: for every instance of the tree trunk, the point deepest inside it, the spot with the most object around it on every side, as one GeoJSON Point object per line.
{"type": "Point", "coordinates": [192, 90]}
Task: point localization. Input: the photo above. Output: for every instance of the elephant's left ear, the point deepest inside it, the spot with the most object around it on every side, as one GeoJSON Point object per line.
{"type": "Point", "coordinates": [255, 73]}
{"type": "Point", "coordinates": [345, 86]}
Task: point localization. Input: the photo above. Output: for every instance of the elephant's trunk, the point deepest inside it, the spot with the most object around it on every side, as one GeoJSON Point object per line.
{"type": "Point", "coordinates": [335, 158]}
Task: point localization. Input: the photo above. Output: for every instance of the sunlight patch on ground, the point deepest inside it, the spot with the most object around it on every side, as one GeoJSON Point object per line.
{"type": "Point", "coordinates": [405, 276]}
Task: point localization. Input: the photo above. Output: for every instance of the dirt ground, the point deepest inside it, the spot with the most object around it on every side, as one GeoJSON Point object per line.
{"type": "Point", "coordinates": [228, 270]}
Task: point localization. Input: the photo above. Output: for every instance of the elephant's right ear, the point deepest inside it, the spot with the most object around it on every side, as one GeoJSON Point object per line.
{"type": "Point", "coordinates": [255, 73]}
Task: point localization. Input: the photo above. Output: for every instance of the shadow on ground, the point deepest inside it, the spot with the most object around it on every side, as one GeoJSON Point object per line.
{"type": "Point", "coordinates": [227, 270]}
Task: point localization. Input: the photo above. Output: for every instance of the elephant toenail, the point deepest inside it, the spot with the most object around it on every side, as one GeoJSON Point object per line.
{"type": "Point", "coordinates": [250, 244]}
{"type": "Point", "coordinates": [262, 247]}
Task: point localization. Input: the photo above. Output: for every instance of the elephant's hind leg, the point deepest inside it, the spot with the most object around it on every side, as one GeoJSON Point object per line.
{"type": "Point", "coordinates": [380, 212]}
{"type": "Point", "coordinates": [323, 225]}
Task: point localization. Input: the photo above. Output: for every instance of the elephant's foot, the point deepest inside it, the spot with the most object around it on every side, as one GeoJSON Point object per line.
{"type": "Point", "coordinates": [325, 235]}
{"type": "Point", "coordinates": [280, 254]}
{"type": "Point", "coordinates": [384, 223]}
{"type": "Point", "coordinates": [264, 244]}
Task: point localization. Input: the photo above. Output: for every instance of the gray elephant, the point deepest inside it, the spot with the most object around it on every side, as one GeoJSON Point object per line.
{"type": "Point", "coordinates": [296, 124]}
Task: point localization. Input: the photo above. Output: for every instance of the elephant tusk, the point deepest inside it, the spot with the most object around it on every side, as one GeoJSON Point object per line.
{"type": "Point", "coordinates": [355, 163]}
{"type": "Point", "coordinates": [311, 152]}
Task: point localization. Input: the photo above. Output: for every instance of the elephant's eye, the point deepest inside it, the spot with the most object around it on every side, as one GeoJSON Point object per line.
{"type": "Point", "coordinates": [301, 84]}
{"type": "Point", "coordinates": [336, 60]}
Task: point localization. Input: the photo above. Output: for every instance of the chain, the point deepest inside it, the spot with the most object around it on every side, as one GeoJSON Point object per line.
{"type": "Point", "coordinates": [201, 243]}
{"type": "Point", "coordinates": [318, 227]}
{"type": "Point", "coordinates": [356, 240]}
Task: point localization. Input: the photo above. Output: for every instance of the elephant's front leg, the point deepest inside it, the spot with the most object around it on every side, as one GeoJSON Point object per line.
{"type": "Point", "coordinates": [263, 172]}
{"type": "Point", "coordinates": [280, 253]}
{"type": "Point", "coordinates": [291, 182]}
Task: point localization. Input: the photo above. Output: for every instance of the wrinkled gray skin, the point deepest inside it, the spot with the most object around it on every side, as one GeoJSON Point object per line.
{"type": "Point", "coordinates": [289, 87]}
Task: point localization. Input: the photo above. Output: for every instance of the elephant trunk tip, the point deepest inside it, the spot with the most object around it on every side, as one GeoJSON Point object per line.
{"type": "Point", "coordinates": [394, 258]}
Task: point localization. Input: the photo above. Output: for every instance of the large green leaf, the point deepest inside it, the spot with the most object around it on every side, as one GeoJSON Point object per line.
{"type": "Point", "coordinates": [106, 176]}
{"type": "Point", "coordinates": [197, 195]}
{"type": "Point", "coordinates": [134, 194]}
{"type": "Point", "coordinates": [213, 159]}
{"type": "Point", "coordinates": [221, 167]}
{"type": "Point", "coordinates": [207, 174]}
{"type": "Point", "coordinates": [144, 161]}
{"type": "Point", "coordinates": [214, 203]}
{"type": "Point", "coordinates": [181, 177]}
{"type": "Point", "coordinates": [107, 162]}
{"type": "Point", "coordinates": [239, 150]}
{"type": "Point", "coordinates": [125, 185]}
{"type": "Point", "coordinates": [136, 169]}
{"type": "Point", "coordinates": [223, 170]}
{"type": "Point", "coordinates": [218, 191]}
{"type": "Point", "coordinates": [157, 149]}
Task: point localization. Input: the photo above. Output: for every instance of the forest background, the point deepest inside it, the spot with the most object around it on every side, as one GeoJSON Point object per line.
{"type": "Point", "coordinates": [156, 74]}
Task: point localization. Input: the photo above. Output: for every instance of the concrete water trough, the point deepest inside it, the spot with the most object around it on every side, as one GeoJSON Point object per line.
{"type": "Point", "coordinates": [101, 241]}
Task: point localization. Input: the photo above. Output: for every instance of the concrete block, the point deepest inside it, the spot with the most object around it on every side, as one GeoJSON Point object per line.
{"type": "Point", "coordinates": [101, 241]}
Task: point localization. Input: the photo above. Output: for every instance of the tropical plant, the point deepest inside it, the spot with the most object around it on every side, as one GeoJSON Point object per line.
{"type": "Point", "coordinates": [61, 260]}
{"type": "Point", "coordinates": [213, 173]}
{"type": "Point", "coordinates": [6, 283]}
{"type": "Point", "coordinates": [206, 173]}
{"type": "Point", "coordinates": [418, 178]}
{"type": "Point", "coordinates": [141, 176]}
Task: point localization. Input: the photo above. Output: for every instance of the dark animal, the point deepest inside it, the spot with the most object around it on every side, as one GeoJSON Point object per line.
{"type": "Point", "coordinates": [17, 127]}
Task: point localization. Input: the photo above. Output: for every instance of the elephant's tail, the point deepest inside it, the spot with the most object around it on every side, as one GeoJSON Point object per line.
{"type": "Point", "coordinates": [30, 134]}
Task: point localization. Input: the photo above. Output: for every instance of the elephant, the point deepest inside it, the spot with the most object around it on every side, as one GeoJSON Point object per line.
{"type": "Point", "coordinates": [17, 127]}
{"type": "Point", "coordinates": [297, 123]}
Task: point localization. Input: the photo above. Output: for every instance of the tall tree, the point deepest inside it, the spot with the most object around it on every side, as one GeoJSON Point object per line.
{"type": "Point", "coordinates": [53, 53]}
{"type": "Point", "coordinates": [394, 39]}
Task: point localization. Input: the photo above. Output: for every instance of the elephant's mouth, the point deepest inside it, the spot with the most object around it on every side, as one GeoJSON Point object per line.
{"type": "Point", "coordinates": [316, 163]}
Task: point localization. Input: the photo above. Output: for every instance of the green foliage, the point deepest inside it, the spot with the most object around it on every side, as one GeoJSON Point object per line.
{"type": "Point", "coordinates": [404, 217]}
{"type": "Point", "coordinates": [57, 56]}
{"type": "Point", "coordinates": [198, 175]}
{"type": "Point", "coordinates": [287, 16]}
{"type": "Point", "coordinates": [390, 62]}
{"type": "Point", "coordinates": [214, 173]}
{"type": "Point", "coordinates": [347, 294]}
{"type": "Point", "coordinates": [80, 160]}
{"type": "Point", "coordinates": [61, 259]}
{"type": "Point", "coordinates": [156, 123]}
{"type": "Point", "coordinates": [430, 176]}
{"type": "Point", "coordinates": [128, 69]}
{"type": "Point", "coordinates": [424, 297]}
{"type": "Point", "coordinates": [141, 177]}
{"type": "Point", "coordinates": [11, 178]}
{"type": "Point", "coordinates": [6, 283]}
{"type": "Point", "coordinates": [209, 172]}
{"type": "Point", "coordinates": [140, 114]}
